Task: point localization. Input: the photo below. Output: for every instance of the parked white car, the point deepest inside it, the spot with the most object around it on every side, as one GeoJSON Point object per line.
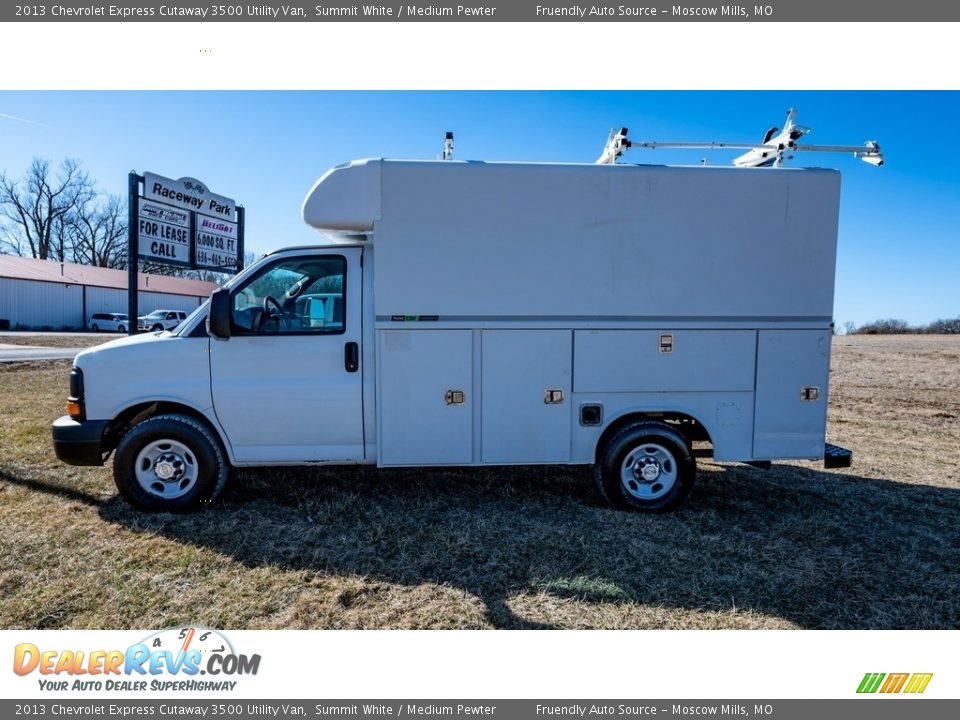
{"type": "Point", "coordinates": [161, 320]}
{"type": "Point", "coordinates": [109, 322]}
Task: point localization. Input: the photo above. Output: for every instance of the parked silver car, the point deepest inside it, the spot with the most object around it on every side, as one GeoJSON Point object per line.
{"type": "Point", "coordinates": [109, 322]}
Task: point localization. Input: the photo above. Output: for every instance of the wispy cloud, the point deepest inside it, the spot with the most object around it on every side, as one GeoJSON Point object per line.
{"type": "Point", "coordinates": [6, 116]}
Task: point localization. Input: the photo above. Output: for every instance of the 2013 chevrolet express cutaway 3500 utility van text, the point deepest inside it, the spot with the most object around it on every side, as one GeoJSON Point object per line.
{"type": "Point", "coordinates": [469, 313]}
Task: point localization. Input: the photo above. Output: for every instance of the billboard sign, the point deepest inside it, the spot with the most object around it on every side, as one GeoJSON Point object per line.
{"type": "Point", "coordinates": [163, 233]}
{"type": "Point", "coordinates": [188, 193]}
{"type": "Point", "coordinates": [181, 222]}
{"type": "Point", "coordinates": [215, 243]}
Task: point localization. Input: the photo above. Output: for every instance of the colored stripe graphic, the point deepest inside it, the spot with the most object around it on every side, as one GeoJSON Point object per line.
{"type": "Point", "coordinates": [894, 683]}
{"type": "Point", "coordinates": [918, 682]}
{"type": "Point", "coordinates": [870, 682]}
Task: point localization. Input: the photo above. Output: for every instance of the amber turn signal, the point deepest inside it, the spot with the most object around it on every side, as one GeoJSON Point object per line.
{"type": "Point", "coordinates": [74, 409]}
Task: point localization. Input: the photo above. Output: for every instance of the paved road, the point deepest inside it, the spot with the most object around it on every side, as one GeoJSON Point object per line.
{"type": "Point", "coordinates": [41, 333]}
{"type": "Point", "coordinates": [24, 353]}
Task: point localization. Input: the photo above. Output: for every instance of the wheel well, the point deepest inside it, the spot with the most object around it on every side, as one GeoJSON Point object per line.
{"type": "Point", "coordinates": [687, 425]}
{"type": "Point", "coordinates": [138, 413]}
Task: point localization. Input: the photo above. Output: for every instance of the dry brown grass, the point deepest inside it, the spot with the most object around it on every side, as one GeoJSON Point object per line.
{"type": "Point", "coordinates": [61, 340]}
{"type": "Point", "coordinates": [877, 546]}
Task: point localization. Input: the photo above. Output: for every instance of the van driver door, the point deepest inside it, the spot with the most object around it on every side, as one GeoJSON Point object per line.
{"type": "Point", "coordinates": [287, 384]}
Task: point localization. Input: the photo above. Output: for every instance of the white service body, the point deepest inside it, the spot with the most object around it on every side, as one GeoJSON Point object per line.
{"type": "Point", "coordinates": [565, 276]}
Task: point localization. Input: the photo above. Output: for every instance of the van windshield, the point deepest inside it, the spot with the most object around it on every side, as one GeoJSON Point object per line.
{"type": "Point", "coordinates": [188, 321]}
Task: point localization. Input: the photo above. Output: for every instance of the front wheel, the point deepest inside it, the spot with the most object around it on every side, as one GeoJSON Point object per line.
{"type": "Point", "coordinates": [645, 466]}
{"type": "Point", "coordinates": [95, 328]}
{"type": "Point", "coordinates": [169, 463]}
{"type": "Point", "coordinates": [121, 329]}
{"type": "Point", "coordinates": [156, 328]}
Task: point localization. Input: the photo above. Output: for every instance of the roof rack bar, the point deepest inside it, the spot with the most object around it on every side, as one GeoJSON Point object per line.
{"type": "Point", "coordinates": [771, 152]}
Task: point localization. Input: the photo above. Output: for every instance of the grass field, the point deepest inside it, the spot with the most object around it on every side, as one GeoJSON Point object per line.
{"type": "Point", "coordinates": [60, 340]}
{"type": "Point", "coordinates": [875, 546]}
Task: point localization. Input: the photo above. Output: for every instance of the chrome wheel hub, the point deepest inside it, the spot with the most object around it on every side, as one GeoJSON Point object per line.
{"type": "Point", "coordinates": [168, 466]}
{"type": "Point", "coordinates": [649, 471]}
{"type": "Point", "coordinates": [166, 469]}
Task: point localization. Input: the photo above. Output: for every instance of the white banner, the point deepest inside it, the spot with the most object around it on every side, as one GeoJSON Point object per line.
{"type": "Point", "coordinates": [450, 664]}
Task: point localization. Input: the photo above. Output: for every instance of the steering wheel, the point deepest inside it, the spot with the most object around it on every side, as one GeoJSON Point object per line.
{"type": "Point", "coordinates": [272, 312]}
{"type": "Point", "coordinates": [270, 300]}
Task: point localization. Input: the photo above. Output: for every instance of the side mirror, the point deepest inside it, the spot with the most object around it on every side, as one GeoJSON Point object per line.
{"type": "Point", "coordinates": [218, 319]}
{"type": "Point", "coordinates": [316, 313]}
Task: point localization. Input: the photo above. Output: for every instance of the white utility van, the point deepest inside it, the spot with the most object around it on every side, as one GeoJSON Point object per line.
{"type": "Point", "coordinates": [471, 313]}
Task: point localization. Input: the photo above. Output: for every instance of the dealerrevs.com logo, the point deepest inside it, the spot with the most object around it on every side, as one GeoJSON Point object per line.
{"type": "Point", "coordinates": [173, 659]}
{"type": "Point", "coordinates": [909, 683]}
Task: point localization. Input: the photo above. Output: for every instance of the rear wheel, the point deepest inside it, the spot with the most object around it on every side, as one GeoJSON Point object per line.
{"type": "Point", "coordinates": [645, 466]}
{"type": "Point", "coordinates": [169, 463]}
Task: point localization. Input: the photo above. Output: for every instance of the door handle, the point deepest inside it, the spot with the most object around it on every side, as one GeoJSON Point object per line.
{"type": "Point", "coordinates": [351, 357]}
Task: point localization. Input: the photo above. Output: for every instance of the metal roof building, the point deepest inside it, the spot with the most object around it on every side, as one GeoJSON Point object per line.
{"type": "Point", "coordinates": [44, 294]}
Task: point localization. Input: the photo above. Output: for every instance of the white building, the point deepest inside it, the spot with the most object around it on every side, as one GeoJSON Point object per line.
{"type": "Point", "coordinates": [36, 294]}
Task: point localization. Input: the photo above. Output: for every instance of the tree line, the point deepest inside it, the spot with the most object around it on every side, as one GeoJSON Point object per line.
{"type": "Point", "coordinates": [892, 326]}
{"type": "Point", "coordinates": [60, 213]}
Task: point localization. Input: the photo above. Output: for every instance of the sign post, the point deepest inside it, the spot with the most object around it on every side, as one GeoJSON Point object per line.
{"type": "Point", "coordinates": [180, 222]}
{"type": "Point", "coordinates": [133, 311]}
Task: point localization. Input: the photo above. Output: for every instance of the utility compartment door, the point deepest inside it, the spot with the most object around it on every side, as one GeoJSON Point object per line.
{"type": "Point", "coordinates": [419, 423]}
{"type": "Point", "coordinates": [665, 360]}
{"type": "Point", "coordinates": [788, 423]}
{"type": "Point", "coordinates": [520, 423]}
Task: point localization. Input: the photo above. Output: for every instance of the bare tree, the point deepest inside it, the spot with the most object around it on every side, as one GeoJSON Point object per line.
{"type": "Point", "coordinates": [945, 326]}
{"type": "Point", "coordinates": [849, 328]}
{"type": "Point", "coordinates": [34, 208]}
{"type": "Point", "coordinates": [208, 276]}
{"type": "Point", "coordinates": [97, 231]}
{"type": "Point", "coordinates": [154, 267]}
{"type": "Point", "coordinates": [218, 277]}
{"type": "Point", "coordinates": [887, 326]}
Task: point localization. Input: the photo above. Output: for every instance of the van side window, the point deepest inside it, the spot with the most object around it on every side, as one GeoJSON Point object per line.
{"type": "Point", "coordinates": [295, 296]}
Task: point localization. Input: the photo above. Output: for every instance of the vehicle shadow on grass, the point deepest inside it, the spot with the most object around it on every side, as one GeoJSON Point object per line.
{"type": "Point", "coordinates": [811, 548]}
{"type": "Point", "coordinates": [816, 549]}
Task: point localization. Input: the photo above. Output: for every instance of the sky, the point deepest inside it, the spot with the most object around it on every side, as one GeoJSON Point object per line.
{"type": "Point", "coordinates": [898, 256]}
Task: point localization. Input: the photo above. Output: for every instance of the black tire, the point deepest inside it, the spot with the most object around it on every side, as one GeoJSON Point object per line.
{"type": "Point", "coordinates": [121, 329]}
{"type": "Point", "coordinates": [622, 463]}
{"type": "Point", "coordinates": [156, 327]}
{"type": "Point", "coordinates": [95, 328]}
{"type": "Point", "coordinates": [180, 444]}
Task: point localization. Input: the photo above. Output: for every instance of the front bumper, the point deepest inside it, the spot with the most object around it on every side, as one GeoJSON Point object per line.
{"type": "Point", "coordinates": [78, 442]}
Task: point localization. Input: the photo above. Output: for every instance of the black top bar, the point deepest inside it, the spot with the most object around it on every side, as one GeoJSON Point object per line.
{"type": "Point", "coordinates": [850, 11]}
